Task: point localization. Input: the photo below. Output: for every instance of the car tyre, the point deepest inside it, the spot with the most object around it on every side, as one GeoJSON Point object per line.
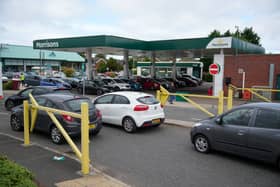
{"type": "Point", "coordinates": [201, 144]}
{"type": "Point", "coordinates": [56, 135]}
{"type": "Point", "coordinates": [9, 104]}
{"type": "Point", "coordinates": [15, 123]}
{"type": "Point", "coordinates": [99, 92]}
{"type": "Point", "coordinates": [129, 125]}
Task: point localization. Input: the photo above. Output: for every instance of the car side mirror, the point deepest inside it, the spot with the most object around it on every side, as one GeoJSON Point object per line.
{"type": "Point", "coordinates": [218, 120]}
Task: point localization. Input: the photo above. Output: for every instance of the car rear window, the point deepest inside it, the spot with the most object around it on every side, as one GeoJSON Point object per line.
{"type": "Point", "coordinates": [148, 100]}
{"type": "Point", "coordinates": [75, 104]}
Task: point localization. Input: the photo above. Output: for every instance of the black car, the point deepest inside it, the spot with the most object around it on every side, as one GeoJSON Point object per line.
{"type": "Point", "coordinates": [74, 82]}
{"type": "Point", "coordinates": [32, 80]}
{"type": "Point", "coordinates": [22, 95]}
{"type": "Point", "coordinates": [92, 87]}
{"type": "Point", "coordinates": [250, 130]}
{"type": "Point", "coordinates": [68, 102]}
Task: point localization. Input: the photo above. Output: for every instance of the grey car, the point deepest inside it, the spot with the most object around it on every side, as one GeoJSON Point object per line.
{"type": "Point", "coordinates": [250, 130]}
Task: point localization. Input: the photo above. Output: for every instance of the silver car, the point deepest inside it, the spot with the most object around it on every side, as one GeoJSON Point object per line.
{"type": "Point", "coordinates": [250, 130]}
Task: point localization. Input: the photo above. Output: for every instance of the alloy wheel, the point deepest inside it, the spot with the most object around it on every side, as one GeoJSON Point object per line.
{"type": "Point", "coordinates": [15, 123]}
{"type": "Point", "coordinates": [56, 136]}
{"type": "Point", "coordinates": [201, 144]}
{"type": "Point", "coordinates": [129, 125]}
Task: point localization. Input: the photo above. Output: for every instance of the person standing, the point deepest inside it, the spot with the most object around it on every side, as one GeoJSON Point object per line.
{"type": "Point", "coordinates": [22, 77]}
{"type": "Point", "coordinates": [172, 89]}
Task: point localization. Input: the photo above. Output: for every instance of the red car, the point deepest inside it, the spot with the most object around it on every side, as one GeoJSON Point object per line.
{"type": "Point", "coordinates": [150, 84]}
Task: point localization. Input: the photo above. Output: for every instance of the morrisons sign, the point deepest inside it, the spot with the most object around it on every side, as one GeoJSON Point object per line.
{"type": "Point", "coordinates": [47, 44]}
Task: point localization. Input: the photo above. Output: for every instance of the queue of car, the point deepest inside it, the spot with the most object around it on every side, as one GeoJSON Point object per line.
{"type": "Point", "coordinates": [250, 130]}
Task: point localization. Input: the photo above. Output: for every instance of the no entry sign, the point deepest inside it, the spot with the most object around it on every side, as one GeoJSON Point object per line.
{"type": "Point", "coordinates": [214, 69]}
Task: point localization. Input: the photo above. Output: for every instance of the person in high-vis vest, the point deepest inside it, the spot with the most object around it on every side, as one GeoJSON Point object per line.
{"type": "Point", "coordinates": [22, 79]}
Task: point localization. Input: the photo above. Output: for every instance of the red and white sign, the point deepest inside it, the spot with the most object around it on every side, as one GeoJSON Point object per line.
{"type": "Point", "coordinates": [214, 69]}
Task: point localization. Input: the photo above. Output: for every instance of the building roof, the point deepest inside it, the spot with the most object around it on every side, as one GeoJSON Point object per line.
{"type": "Point", "coordinates": [27, 52]}
{"type": "Point", "coordinates": [115, 45]}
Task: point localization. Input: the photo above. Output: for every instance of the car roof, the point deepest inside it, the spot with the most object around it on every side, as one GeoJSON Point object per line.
{"type": "Point", "coordinates": [59, 98]}
{"type": "Point", "coordinates": [130, 94]}
{"type": "Point", "coordinates": [262, 105]}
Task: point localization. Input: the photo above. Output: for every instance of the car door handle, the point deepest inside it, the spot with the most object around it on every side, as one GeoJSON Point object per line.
{"type": "Point", "coordinates": [241, 133]}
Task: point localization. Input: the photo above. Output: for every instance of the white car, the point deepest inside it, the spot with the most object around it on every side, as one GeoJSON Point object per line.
{"type": "Point", "coordinates": [116, 84]}
{"type": "Point", "coordinates": [129, 109]}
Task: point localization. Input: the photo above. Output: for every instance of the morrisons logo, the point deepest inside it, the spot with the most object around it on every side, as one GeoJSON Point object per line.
{"type": "Point", "coordinates": [47, 44]}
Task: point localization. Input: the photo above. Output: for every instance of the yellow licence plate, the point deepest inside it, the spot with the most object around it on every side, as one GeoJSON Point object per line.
{"type": "Point", "coordinates": [91, 126]}
{"type": "Point", "coordinates": [155, 121]}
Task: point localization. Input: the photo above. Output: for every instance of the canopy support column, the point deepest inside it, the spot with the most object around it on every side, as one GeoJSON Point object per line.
{"type": "Point", "coordinates": [125, 64]}
{"type": "Point", "coordinates": [89, 64]}
{"type": "Point", "coordinates": [153, 57]}
{"type": "Point", "coordinates": [174, 72]}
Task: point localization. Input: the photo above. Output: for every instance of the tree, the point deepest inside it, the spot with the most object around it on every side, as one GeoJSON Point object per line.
{"type": "Point", "coordinates": [101, 67]}
{"type": "Point", "coordinates": [214, 33]}
{"type": "Point", "coordinates": [248, 34]}
{"type": "Point", "coordinates": [113, 65]}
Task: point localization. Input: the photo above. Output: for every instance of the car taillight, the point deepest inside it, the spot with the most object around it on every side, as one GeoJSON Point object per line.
{"type": "Point", "coordinates": [98, 113]}
{"type": "Point", "coordinates": [141, 107]}
{"type": "Point", "coordinates": [68, 118]}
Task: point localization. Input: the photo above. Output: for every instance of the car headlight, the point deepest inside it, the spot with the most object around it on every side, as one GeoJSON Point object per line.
{"type": "Point", "coordinates": [197, 124]}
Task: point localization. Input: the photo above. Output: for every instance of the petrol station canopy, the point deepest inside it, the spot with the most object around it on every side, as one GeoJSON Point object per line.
{"type": "Point", "coordinates": [115, 45]}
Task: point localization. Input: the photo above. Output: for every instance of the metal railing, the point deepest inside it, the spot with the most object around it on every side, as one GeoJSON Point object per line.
{"type": "Point", "coordinates": [82, 155]}
{"type": "Point", "coordinates": [162, 95]}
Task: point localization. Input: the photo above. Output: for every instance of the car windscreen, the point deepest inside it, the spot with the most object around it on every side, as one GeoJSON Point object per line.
{"type": "Point", "coordinates": [75, 104]}
{"type": "Point", "coordinates": [148, 100]}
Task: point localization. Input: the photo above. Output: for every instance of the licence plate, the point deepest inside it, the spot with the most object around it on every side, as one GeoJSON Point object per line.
{"type": "Point", "coordinates": [91, 126]}
{"type": "Point", "coordinates": [155, 121]}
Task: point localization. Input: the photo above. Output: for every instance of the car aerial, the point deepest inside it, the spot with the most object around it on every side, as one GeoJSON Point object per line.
{"type": "Point", "coordinates": [92, 88]}
{"type": "Point", "coordinates": [116, 84]}
{"type": "Point", "coordinates": [131, 110]}
{"type": "Point", "coordinates": [68, 102]}
{"type": "Point", "coordinates": [17, 99]}
{"type": "Point", "coordinates": [250, 130]}
{"type": "Point", "coordinates": [55, 82]}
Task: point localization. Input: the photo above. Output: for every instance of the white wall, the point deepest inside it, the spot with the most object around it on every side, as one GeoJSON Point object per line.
{"type": "Point", "coordinates": [218, 79]}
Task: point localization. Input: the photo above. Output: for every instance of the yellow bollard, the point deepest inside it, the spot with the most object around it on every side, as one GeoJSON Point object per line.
{"type": "Point", "coordinates": [229, 100]}
{"type": "Point", "coordinates": [26, 123]}
{"type": "Point", "coordinates": [85, 138]}
{"type": "Point", "coordinates": [158, 95]}
{"type": "Point", "coordinates": [221, 102]}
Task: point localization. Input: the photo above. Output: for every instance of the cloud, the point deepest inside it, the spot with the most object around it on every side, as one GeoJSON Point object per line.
{"type": "Point", "coordinates": [145, 19]}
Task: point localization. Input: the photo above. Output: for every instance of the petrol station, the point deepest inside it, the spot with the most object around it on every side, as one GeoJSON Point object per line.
{"type": "Point", "coordinates": [173, 49]}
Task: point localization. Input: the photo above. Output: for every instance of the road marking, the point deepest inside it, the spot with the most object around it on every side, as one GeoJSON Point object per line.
{"type": "Point", "coordinates": [196, 119]}
{"type": "Point", "coordinates": [4, 113]}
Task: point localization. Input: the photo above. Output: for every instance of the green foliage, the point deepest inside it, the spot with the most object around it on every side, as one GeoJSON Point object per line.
{"type": "Point", "coordinates": [248, 34]}
{"type": "Point", "coordinates": [14, 175]}
{"type": "Point", "coordinates": [100, 56]}
{"type": "Point", "coordinates": [101, 67]}
{"type": "Point", "coordinates": [8, 85]}
{"type": "Point", "coordinates": [206, 63]}
{"type": "Point", "coordinates": [207, 77]}
{"type": "Point", "coordinates": [69, 72]}
{"type": "Point", "coordinates": [113, 65]}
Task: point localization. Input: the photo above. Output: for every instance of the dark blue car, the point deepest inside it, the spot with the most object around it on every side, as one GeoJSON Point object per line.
{"type": "Point", "coordinates": [135, 86]}
{"type": "Point", "coordinates": [55, 82]}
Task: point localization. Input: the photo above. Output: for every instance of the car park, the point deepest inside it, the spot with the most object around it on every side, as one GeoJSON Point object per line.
{"type": "Point", "coordinates": [17, 99]}
{"type": "Point", "coordinates": [68, 102]}
{"type": "Point", "coordinates": [250, 130]}
{"type": "Point", "coordinates": [131, 110]}
{"type": "Point", "coordinates": [92, 87]}
{"type": "Point", "coordinates": [55, 82]}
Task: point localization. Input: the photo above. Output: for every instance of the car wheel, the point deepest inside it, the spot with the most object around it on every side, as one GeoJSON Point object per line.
{"type": "Point", "coordinates": [56, 135]}
{"type": "Point", "coordinates": [15, 123]}
{"type": "Point", "coordinates": [99, 92]}
{"type": "Point", "coordinates": [94, 133]}
{"type": "Point", "coordinates": [129, 125]}
{"type": "Point", "coordinates": [9, 104]}
{"type": "Point", "coordinates": [201, 144]}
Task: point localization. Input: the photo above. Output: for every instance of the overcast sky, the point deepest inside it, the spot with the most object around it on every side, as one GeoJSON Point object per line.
{"type": "Point", "coordinates": [22, 21]}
